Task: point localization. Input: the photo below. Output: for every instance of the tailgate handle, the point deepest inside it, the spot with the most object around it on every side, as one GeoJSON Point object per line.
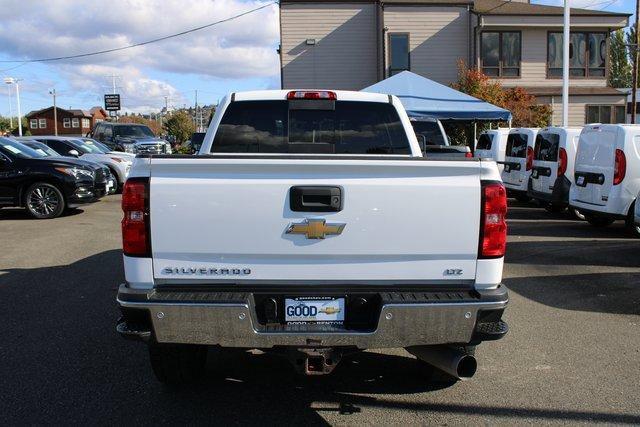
{"type": "Point", "coordinates": [315, 199]}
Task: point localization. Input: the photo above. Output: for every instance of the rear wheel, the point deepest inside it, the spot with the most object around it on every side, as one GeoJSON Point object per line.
{"type": "Point", "coordinates": [631, 226]}
{"type": "Point", "coordinates": [176, 364]}
{"type": "Point", "coordinates": [598, 221]}
{"type": "Point", "coordinates": [577, 214]}
{"type": "Point", "coordinates": [44, 201]}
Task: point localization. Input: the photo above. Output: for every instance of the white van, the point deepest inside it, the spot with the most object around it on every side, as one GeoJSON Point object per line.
{"type": "Point", "coordinates": [553, 162]}
{"type": "Point", "coordinates": [518, 161]}
{"type": "Point", "coordinates": [608, 174]}
{"type": "Point", "coordinates": [492, 144]}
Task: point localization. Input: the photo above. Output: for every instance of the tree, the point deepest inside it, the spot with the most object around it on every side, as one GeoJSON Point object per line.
{"type": "Point", "coordinates": [153, 125]}
{"type": "Point", "coordinates": [180, 125]}
{"type": "Point", "coordinates": [631, 40]}
{"type": "Point", "coordinates": [523, 107]}
{"type": "Point", "coordinates": [619, 64]}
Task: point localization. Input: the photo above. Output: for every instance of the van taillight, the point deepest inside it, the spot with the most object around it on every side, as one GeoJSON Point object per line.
{"type": "Point", "coordinates": [468, 154]}
{"type": "Point", "coordinates": [493, 222]}
{"type": "Point", "coordinates": [620, 167]}
{"type": "Point", "coordinates": [562, 162]}
{"type": "Point", "coordinates": [529, 158]}
{"type": "Point", "coordinates": [135, 223]}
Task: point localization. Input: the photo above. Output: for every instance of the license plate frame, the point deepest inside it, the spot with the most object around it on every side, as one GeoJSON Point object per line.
{"type": "Point", "coordinates": [314, 310]}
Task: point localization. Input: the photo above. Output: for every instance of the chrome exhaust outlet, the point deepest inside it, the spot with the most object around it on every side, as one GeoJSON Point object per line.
{"type": "Point", "coordinates": [452, 361]}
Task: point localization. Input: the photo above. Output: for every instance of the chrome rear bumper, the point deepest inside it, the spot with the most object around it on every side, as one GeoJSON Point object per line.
{"type": "Point", "coordinates": [230, 320]}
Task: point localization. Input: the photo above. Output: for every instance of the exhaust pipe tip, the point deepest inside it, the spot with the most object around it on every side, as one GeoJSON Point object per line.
{"type": "Point", "coordinates": [467, 367]}
{"type": "Point", "coordinates": [450, 360]}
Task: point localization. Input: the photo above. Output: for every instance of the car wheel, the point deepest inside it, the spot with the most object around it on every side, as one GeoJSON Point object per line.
{"type": "Point", "coordinates": [598, 221]}
{"type": "Point", "coordinates": [522, 198]}
{"type": "Point", "coordinates": [44, 201]}
{"type": "Point", "coordinates": [177, 364]}
{"type": "Point", "coordinates": [550, 207]}
{"type": "Point", "coordinates": [632, 228]}
{"type": "Point", "coordinates": [577, 214]}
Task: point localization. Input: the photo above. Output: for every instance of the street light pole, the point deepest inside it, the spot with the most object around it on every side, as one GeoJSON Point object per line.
{"type": "Point", "coordinates": [55, 111]}
{"type": "Point", "coordinates": [634, 76]}
{"type": "Point", "coordinates": [13, 81]}
{"type": "Point", "coordinates": [10, 109]}
{"type": "Point", "coordinates": [565, 65]}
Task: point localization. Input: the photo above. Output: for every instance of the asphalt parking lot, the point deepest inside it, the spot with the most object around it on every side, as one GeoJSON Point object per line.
{"type": "Point", "coordinates": [572, 355]}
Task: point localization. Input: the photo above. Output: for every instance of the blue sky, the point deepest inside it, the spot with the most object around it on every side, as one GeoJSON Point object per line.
{"type": "Point", "coordinates": [233, 56]}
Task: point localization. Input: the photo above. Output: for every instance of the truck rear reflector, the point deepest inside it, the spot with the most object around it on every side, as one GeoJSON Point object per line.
{"type": "Point", "coordinates": [529, 158]}
{"type": "Point", "coordinates": [620, 167]}
{"type": "Point", "coordinates": [493, 222]}
{"type": "Point", "coordinates": [312, 94]}
{"type": "Point", "coordinates": [563, 161]}
{"type": "Point", "coordinates": [135, 222]}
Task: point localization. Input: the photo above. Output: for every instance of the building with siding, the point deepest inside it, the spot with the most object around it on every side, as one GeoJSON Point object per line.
{"type": "Point", "coordinates": [353, 44]}
{"type": "Point", "coordinates": [70, 122]}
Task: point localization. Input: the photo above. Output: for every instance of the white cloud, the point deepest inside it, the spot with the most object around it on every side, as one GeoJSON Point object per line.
{"type": "Point", "coordinates": [242, 48]}
{"type": "Point", "coordinates": [583, 4]}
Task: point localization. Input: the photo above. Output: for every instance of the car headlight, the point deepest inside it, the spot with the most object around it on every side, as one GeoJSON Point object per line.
{"type": "Point", "coordinates": [77, 172]}
{"type": "Point", "coordinates": [129, 148]}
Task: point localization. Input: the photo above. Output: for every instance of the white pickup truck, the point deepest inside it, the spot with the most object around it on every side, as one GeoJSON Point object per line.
{"type": "Point", "coordinates": [310, 225]}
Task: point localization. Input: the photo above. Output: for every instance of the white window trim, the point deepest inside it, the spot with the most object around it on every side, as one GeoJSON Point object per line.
{"type": "Point", "coordinates": [75, 122]}
{"type": "Point", "coordinates": [66, 122]}
{"type": "Point", "coordinates": [31, 123]}
{"type": "Point", "coordinates": [42, 123]}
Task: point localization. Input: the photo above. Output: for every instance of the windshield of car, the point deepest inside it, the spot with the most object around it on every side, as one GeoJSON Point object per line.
{"type": "Point", "coordinates": [430, 131]}
{"type": "Point", "coordinates": [18, 150]}
{"type": "Point", "coordinates": [135, 131]}
{"type": "Point", "coordinates": [100, 145]}
{"type": "Point", "coordinates": [42, 148]}
{"type": "Point", "coordinates": [546, 148]}
{"type": "Point", "coordinates": [311, 127]}
{"type": "Point", "coordinates": [517, 145]}
{"type": "Point", "coordinates": [88, 146]}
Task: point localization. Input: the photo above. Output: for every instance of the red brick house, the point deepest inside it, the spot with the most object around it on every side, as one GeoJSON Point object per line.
{"type": "Point", "coordinates": [70, 122]}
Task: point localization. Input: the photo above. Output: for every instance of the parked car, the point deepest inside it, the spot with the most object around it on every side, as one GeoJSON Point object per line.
{"type": "Point", "coordinates": [47, 151]}
{"type": "Point", "coordinates": [195, 142]}
{"type": "Point", "coordinates": [76, 147]}
{"type": "Point", "coordinates": [106, 150]}
{"type": "Point", "coordinates": [45, 186]}
{"type": "Point", "coordinates": [607, 174]}
{"type": "Point", "coordinates": [637, 212]}
{"type": "Point", "coordinates": [130, 137]}
{"type": "Point", "coordinates": [518, 162]}
{"type": "Point", "coordinates": [553, 166]}
{"type": "Point", "coordinates": [434, 142]}
{"type": "Point", "coordinates": [492, 144]}
{"type": "Point", "coordinates": [353, 240]}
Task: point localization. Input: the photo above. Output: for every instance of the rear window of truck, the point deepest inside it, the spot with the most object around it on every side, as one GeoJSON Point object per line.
{"type": "Point", "coordinates": [546, 148]}
{"type": "Point", "coordinates": [516, 145]}
{"type": "Point", "coordinates": [484, 142]}
{"type": "Point", "coordinates": [340, 127]}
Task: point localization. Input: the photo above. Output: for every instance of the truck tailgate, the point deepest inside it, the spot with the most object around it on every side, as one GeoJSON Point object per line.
{"type": "Point", "coordinates": [225, 220]}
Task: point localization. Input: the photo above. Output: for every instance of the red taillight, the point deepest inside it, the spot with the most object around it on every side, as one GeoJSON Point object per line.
{"type": "Point", "coordinates": [620, 167]}
{"type": "Point", "coordinates": [493, 223]}
{"type": "Point", "coordinates": [135, 230]}
{"type": "Point", "coordinates": [562, 161]}
{"type": "Point", "coordinates": [468, 154]}
{"type": "Point", "coordinates": [312, 94]}
{"type": "Point", "coordinates": [529, 158]}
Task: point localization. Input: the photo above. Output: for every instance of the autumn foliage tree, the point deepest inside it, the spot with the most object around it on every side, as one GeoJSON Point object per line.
{"type": "Point", "coordinates": [523, 107]}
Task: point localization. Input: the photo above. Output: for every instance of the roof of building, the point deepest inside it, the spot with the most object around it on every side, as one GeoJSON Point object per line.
{"type": "Point", "coordinates": [485, 7]}
{"type": "Point", "coordinates": [73, 112]}
{"type": "Point", "coordinates": [499, 7]}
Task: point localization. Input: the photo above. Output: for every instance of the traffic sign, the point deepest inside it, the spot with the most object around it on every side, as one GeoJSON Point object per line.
{"type": "Point", "coordinates": [112, 102]}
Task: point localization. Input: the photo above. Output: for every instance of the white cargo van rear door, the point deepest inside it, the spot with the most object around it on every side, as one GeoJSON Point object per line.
{"type": "Point", "coordinates": [545, 162]}
{"type": "Point", "coordinates": [595, 163]}
{"type": "Point", "coordinates": [515, 166]}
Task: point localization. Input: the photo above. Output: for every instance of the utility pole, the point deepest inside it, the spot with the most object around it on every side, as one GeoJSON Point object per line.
{"type": "Point", "coordinates": [195, 118]}
{"type": "Point", "coordinates": [565, 65]}
{"type": "Point", "coordinates": [55, 112]}
{"type": "Point", "coordinates": [10, 109]}
{"type": "Point", "coordinates": [634, 77]}
{"type": "Point", "coordinates": [14, 81]}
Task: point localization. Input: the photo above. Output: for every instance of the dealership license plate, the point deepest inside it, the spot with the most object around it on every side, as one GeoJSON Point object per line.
{"type": "Point", "coordinates": [314, 310]}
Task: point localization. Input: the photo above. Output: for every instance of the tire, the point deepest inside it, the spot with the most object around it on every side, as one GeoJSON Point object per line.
{"type": "Point", "coordinates": [118, 185]}
{"type": "Point", "coordinates": [554, 208]}
{"type": "Point", "coordinates": [632, 229]}
{"type": "Point", "coordinates": [44, 201]}
{"type": "Point", "coordinates": [178, 364]}
{"type": "Point", "coordinates": [575, 213]}
{"type": "Point", "coordinates": [598, 221]}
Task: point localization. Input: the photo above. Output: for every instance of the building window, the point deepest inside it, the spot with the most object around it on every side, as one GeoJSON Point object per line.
{"type": "Point", "coordinates": [86, 124]}
{"type": "Point", "coordinates": [66, 122]}
{"type": "Point", "coordinates": [587, 54]}
{"type": "Point", "coordinates": [75, 123]}
{"type": "Point", "coordinates": [33, 123]}
{"type": "Point", "coordinates": [606, 114]}
{"type": "Point", "coordinates": [42, 123]}
{"type": "Point", "coordinates": [398, 53]}
{"type": "Point", "coordinates": [500, 53]}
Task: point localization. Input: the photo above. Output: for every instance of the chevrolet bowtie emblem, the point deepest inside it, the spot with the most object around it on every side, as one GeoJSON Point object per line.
{"type": "Point", "coordinates": [315, 228]}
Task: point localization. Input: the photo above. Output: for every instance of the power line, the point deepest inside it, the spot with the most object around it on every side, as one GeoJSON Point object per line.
{"type": "Point", "coordinates": [117, 49]}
